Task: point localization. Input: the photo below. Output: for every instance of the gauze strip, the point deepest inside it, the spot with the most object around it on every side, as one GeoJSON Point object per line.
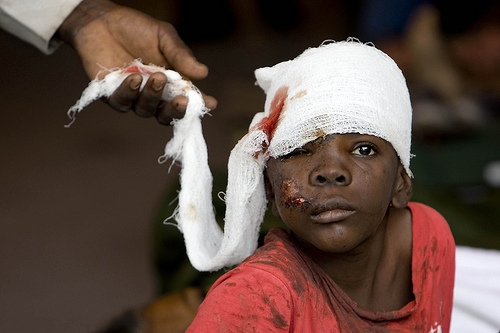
{"type": "Point", "coordinates": [344, 87]}
{"type": "Point", "coordinates": [106, 86]}
{"type": "Point", "coordinates": [208, 247]}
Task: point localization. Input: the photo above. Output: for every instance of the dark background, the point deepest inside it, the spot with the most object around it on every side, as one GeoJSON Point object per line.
{"type": "Point", "coordinates": [78, 205]}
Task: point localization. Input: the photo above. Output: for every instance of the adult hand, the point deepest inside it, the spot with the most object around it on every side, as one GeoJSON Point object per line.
{"type": "Point", "coordinates": [108, 35]}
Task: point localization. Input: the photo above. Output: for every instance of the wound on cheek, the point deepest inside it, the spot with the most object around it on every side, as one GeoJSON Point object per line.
{"type": "Point", "coordinates": [297, 202]}
{"type": "Point", "coordinates": [291, 195]}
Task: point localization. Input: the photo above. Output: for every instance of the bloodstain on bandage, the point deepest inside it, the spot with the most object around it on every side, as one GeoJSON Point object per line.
{"type": "Point", "coordinates": [139, 69]}
{"type": "Point", "coordinates": [268, 124]}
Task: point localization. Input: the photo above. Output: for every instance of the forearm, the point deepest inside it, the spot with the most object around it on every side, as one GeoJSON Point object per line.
{"type": "Point", "coordinates": [86, 12]}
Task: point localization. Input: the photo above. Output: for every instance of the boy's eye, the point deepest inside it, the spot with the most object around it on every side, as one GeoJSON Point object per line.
{"type": "Point", "coordinates": [293, 153]}
{"type": "Point", "coordinates": [365, 150]}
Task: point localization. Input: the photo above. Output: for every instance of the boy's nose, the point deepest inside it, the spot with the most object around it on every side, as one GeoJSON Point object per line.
{"type": "Point", "coordinates": [330, 171]}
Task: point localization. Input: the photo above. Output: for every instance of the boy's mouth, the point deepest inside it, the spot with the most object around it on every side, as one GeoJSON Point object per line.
{"type": "Point", "coordinates": [332, 216]}
{"type": "Point", "coordinates": [333, 211]}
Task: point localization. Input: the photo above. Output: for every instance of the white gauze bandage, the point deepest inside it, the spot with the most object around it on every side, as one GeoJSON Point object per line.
{"type": "Point", "coordinates": [344, 87]}
{"type": "Point", "coordinates": [208, 247]}
{"type": "Point", "coordinates": [339, 87]}
{"type": "Point", "coordinates": [98, 88]}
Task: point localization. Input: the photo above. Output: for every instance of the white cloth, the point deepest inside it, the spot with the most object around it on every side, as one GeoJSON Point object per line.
{"type": "Point", "coordinates": [359, 85]}
{"type": "Point", "coordinates": [36, 21]}
{"type": "Point", "coordinates": [208, 247]}
{"type": "Point", "coordinates": [476, 303]}
{"type": "Point", "coordinates": [372, 98]}
{"type": "Point", "coordinates": [98, 88]}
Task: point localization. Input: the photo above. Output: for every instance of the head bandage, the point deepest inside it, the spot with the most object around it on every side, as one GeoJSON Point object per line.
{"type": "Point", "coordinates": [337, 88]}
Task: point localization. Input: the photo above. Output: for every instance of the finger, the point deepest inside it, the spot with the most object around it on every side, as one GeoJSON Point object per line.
{"type": "Point", "coordinates": [180, 102]}
{"type": "Point", "coordinates": [167, 112]}
{"type": "Point", "coordinates": [179, 56]}
{"type": "Point", "coordinates": [185, 63]}
{"type": "Point", "coordinates": [150, 97]}
{"type": "Point", "coordinates": [177, 108]}
{"type": "Point", "coordinates": [210, 102]}
{"type": "Point", "coordinates": [123, 98]}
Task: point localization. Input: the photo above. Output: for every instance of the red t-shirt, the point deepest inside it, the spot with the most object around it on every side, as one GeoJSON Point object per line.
{"type": "Point", "coordinates": [280, 289]}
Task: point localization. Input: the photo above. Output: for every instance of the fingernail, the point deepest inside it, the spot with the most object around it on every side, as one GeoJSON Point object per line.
{"type": "Point", "coordinates": [158, 85]}
{"type": "Point", "coordinates": [135, 84]}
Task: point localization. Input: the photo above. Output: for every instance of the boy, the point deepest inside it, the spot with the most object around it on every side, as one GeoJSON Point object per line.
{"type": "Point", "coordinates": [335, 143]}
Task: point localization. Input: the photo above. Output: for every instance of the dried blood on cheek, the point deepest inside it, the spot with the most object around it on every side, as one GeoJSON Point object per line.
{"type": "Point", "coordinates": [290, 193]}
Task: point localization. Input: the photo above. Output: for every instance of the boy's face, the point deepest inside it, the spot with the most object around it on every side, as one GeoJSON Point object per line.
{"type": "Point", "coordinates": [335, 192]}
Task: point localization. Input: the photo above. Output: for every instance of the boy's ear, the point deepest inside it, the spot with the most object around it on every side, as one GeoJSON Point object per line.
{"type": "Point", "coordinates": [270, 194]}
{"type": "Point", "coordinates": [403, 189]}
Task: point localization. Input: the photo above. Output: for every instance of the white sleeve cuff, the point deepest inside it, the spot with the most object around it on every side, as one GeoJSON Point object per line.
{"type": "Point", "coordinates": [36, 21]}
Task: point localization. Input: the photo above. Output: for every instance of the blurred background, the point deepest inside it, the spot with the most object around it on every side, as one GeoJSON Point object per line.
{"type": "Point", "coordinates": [82, 237]}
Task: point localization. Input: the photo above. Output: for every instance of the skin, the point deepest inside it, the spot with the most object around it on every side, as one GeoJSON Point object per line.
{"type": "Point", "coordinates": [343, 198]}
{"type": "Point", "coordinates": [103, 33]}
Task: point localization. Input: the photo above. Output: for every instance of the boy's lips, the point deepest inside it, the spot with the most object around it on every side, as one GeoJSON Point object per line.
{"type": "Point", "coordinates": [333, 212]}
{"type": "Point", "coordinates": [332, 216]}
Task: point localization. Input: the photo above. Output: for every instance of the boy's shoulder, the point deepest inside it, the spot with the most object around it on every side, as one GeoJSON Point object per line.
{"type": "Point", "coordinates": [266, 292]}
{"type": "Point", "coordinates": [428, 222]}
{"type": "Point", "coordinates": [433, 263]}
{"type": "Point", "coordinates": [421, 208]}
{"type": "Point", "coordinates": [277, 265]}
{"type": "Point", "coordinates": [279, 255]}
